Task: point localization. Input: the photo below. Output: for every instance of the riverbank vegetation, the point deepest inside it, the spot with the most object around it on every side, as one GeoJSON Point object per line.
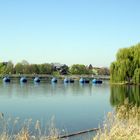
{"type": "Point", "coordinates": [124, 124]}
{"type": "Point", "coordinates": [126, 68]}
{"type": "Point", "coordinates": [50, 68]}
{"type": "Point", "coordinates": [14, 129]}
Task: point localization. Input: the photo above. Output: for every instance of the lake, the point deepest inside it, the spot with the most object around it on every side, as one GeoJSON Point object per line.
{"type": "Point", "coordinates": [75, 106]}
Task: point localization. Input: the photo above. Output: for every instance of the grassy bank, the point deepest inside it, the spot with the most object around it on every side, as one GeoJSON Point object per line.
{"type": "Point", "coordinates": [124, 124]}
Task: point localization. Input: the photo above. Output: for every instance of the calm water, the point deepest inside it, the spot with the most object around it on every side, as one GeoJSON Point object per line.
{"type": "Point", "coordinates": [75, 106]}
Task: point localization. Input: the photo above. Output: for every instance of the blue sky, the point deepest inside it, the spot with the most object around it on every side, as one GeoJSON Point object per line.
{"type": "Point", "coordinates": [67, 31]}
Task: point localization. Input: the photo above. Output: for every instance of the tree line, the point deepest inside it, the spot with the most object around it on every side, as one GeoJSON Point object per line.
{"type": "Point", "coordinates": [49, 68]}
{"type": "Point", "coordinates": [126, 68]}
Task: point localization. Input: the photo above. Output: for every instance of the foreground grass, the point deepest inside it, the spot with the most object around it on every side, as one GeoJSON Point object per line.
{"type": "Point", "coordinates": [13, 129]}
{"type": "Point", "coordinates": [124, 124]}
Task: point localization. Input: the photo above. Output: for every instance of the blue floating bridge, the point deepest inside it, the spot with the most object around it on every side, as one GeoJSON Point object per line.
{"type": "Point", "coordinates": [97, 81]}
{"type": "Point", "coordinates": [82, 80]}
{"type": "Point", "coordinates": [23, 80]}
{"type": "Point", "coordinates": [6, 80]}
{"type": "Point", "coordinates": [71, 81]}
{"type": "Point", "coordinates": [37, 80]}
{"type": "Point", "coordinates": [66, 80]}
{"type": "Point", "coordinates": [54, 80]}
{"type": "Point", "coordinates": [87, 81]}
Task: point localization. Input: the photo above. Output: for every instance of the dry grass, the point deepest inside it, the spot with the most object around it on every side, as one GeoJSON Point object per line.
{"type": "Point", "coordinates": [124, 124]}
{"type": "Point", "coordinates": [25, 131]}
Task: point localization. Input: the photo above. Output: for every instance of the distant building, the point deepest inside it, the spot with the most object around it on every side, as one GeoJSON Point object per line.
{"type": "Point", "coordinates": [5, 63]}
{"type": "Point", "coordinates": [90, 67]}
{"type": "Point", "coordinates": [61, 68]}
{"type": "Point", "coordinates": [57, 66]}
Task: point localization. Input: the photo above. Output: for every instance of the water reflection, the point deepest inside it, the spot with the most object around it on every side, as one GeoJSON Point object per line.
{"type": "Point", "coordinates": [75, 106]}
{"type": "Point", "coordinates": [120, 93]}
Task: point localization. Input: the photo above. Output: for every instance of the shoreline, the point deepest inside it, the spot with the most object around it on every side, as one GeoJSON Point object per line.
{"type": "Point", "coordinates": [48, 76]}
{"type": "Point", "coordinates": [136, 84]}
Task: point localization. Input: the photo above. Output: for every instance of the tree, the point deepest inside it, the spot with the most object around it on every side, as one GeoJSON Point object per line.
{"type": "Point", "coordinates": [19, 68]}
{"type": "Point", "coordinates": [9, 69]}
{"type": "Point", "coordinates": [136, 77]}
{"type": "Point", "coordinates": [34, 69]}
{"type": "Point", "coordinates": [125, 68]}
{"type": "Point", "coordinates": [2, 68]}
{"type": "Point", "coordinates": [45, 68]}
{"type": "Point", "coordinates": [79, 69]}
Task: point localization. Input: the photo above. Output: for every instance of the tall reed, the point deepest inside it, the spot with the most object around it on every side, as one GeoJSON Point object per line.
{"type": "Point", "coordinates": [123, 124]}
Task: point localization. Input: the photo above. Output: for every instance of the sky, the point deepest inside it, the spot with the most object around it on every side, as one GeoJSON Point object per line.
{"type": "Point", "coordinates": [67, 31]}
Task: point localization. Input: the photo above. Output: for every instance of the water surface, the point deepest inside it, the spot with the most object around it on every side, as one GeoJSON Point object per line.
{"type": "Point", "coordinates": [75, 106]}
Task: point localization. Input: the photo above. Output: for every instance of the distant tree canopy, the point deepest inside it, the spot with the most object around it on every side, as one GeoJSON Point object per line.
{"type": "Point", "coordinates": [25, 68]}
{"type": "Point", "coordinates": [80, 69]}
{"type": "Point", "coordinates": [54, 69]}
{"type": "Point", "coordinates": [126, 68]}
{"type": "Point", "coordinates": [7, 67]}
